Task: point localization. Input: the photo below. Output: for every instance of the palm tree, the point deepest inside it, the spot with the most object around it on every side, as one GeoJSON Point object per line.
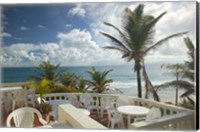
{"type": "Point", "coordinates": [98, 80]}
{"type": "Point", "coordinates": [41, 87]}
{"type": "Point", "coordinates": [136, 38]}
{"type": "Point", "coordinates": [82, 85]}
{"type": "Point", "coordinates": [184, 74]}
{"type": "Point", "coordinates": [188, 72]}
{"type": "Point", "coordinates": [48, 71]}
{"type": "Point", "coordinates": [177, 71]}
{"type": "Point", "coordinates": [69, 79]}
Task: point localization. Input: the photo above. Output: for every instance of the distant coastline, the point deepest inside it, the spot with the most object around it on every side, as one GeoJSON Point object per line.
{"type": "Point", "coordinates": [12, 84]}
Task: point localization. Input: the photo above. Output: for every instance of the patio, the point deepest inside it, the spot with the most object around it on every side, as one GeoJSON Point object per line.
{"type": "Point", "coordinates": [172, 117]}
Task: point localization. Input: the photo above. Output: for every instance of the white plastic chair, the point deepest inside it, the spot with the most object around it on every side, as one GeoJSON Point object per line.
{"type": "Point", "coordinates": [7, 102]}
{"type": "Point", "coordinates": [122, 100]}
{"type": "Point", "coordinates": [18, 99]}
{"type": "Point", "coordinates": [89, 103]}
{"type": "Point", "coordinates": [114, 117]}
{"type": "Point", "coordinates": [24, 117]}
{"type": "Point", "coordinates": [55, 104]}
{"type": "Point", "coordinates": [2, 96]}
{"type": "Point", "coordinates": [153, 113]}
{"type": "Point", "coordinates": [43, 100]}
{"type": "Point", "coordinates": [30, 95]}
{"type": "Point", "coordinates": [1, 105]}
{"type": "Point", "coordinates": [106, 102]}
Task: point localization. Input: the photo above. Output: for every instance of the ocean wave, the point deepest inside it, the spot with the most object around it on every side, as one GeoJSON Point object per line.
{"type": "Point", "coordinates": [131, 84]}
{"type": "Point", "coordinates": [157, 82]}
{"type": "Point", "coordinates": [130, 88]}
{"type": "Point", "coordinates": [118, 84]}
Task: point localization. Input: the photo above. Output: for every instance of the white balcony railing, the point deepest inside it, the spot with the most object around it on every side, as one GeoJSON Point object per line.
{"type": "Point", "coordinates": [180, 121]}
{"type": "Point", "coordinates": [173, 117]}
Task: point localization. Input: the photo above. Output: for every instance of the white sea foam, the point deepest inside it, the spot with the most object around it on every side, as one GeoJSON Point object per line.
{"type": "Point", "coordinates": [123, 85]}
{"type": "Point", "coordinates": [131, 84]}
{"type": "Point", "coordinates": [130, 88]}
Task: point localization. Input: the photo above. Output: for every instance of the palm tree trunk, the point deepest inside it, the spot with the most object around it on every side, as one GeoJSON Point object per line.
{"type": "Point", "coordinates": [149, 87]}
{"type": "Point", "coordinates": [139, 84]}
{"type": "Point", "coordinates": [177, 78]}
{"type": "Point", "coordinates": [176, 95]}
{"type": "Point", "coordinates": [41, 97]}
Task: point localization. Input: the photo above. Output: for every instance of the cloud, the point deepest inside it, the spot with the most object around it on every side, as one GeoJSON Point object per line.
{"type": "Point", "coordinates": [23, 28]}
{"type": "Point", "coordinates": [8, 35]}
{"type": "Point", "coordinates": [68, 25]}
{"type": "Point", "coordinates": [17, 38]}
{"type": "Point", "coordinates": [41, 26]}
{"type": "Point", "coordinates": [75, 47]}
{"type": "Point", "coordinates": [4, 34]}
{"type": "Point", "coordinates": [84, 47]}
{"type": "Point", "coordinates": [79, 47]}
{"type": "Point", "coordinates": [100, 13]}
{"type": "Point", "coordinates": [78, 10]}
{"type": "Point", "coordinates": [180, 17]}
{"type": "Point", "coordinates": [26, 54]}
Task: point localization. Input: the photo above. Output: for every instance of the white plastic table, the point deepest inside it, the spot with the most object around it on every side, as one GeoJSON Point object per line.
{"type": "Point", "coordinates": [84, 111]}
{"type": "Point", "coordinates": [55, 104]}
{"type": "Point", "coordinates": [133, 110]}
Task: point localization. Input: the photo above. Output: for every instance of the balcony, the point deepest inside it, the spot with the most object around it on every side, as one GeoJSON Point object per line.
{"type": "Point", "coordinates": [172, 117]}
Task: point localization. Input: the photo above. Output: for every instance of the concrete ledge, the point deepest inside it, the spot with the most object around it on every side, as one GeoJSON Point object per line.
{"type": "Point", "coordinates": [67, 113]}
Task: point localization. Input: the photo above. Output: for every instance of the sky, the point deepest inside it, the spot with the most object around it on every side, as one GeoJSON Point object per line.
{"type": "Point", "coordinates": [69, 33]}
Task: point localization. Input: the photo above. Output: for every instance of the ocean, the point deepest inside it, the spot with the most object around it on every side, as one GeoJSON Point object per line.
{"type": "Point", "coordinates": [124, 78]}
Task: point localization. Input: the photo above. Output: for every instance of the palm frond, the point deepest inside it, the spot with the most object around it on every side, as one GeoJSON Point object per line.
{"type": "Point", "coordinates": [189, 74]}
{"type": "Point", "coordinates": [126, 55]}
{"type": "Point", "coordinates": [98, 79]}
{"type": "Point", "coordinates": [123, 36]}
{"type": "Point", "coordinates": [177, 66]}
{"type": "Point", "coordinates": [150, 25]}
{"type": "Point", "coordinates": [187, 93]}
{"type": "Point", "coordinates": [39, 72]}
{"type": "Point", "coordinates": [115, 48]}
{"type": "Point", "coordinates": [189, 44]}
{"type": "Point", "coordinates": [105, 73]}
{"type": "Point", "coordinates": [177, 83]}
{"type": "Point", "coordinates": [163, 40]}
{"type": "Point", "coordinates": [139, 12]}
{"type": "Point", "coordinates": [116, 41]}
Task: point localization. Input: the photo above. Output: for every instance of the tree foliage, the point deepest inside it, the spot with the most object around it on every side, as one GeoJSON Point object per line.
{"type": "Point", "coordinates": [48, 71]}
{"type": "Point", "coordinates": [184, 73]}
{"type": "Point", "coordinates": [98, 81]}
{"type": "Point", "coordinates": [41, 87]}
{"type": "Point", "coordinates": [189, 69]}
{"type": "Point", "coordinates": [69, 79]}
